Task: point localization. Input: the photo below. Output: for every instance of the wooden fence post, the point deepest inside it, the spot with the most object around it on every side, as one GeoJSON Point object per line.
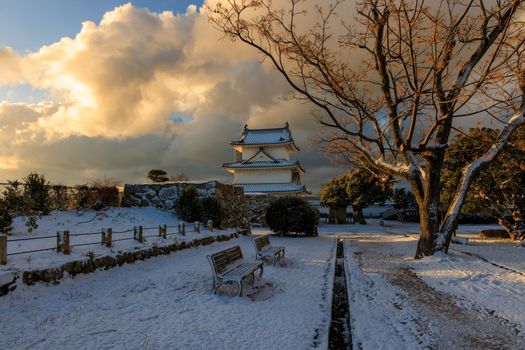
{"type": "Point", "coordinates": [160, 230]}
{"type": "Point", "coordinates": [197, 227]}
{"type": "Point", "coordinates": [178, 228]}
{"type": "Point", "coordinates": [209, 225]}
{"type": "Point", "coordinates": [183, 229]}
{"type": "Point", "coordinates": [109, 237]}
{"type": "Point", "coordinates": [165, 231]}
{"type": "Point", "coordinates": [67, 248]}
{"type": "Point", "coordinates": [103, 236]}
{"type": "Point", "coordinates": [3, 249]}
{"type": "Point", "coordinates": [141, 239]}
{"type": "Point", "coordinates": [134, 233]}
{"type": "Point", "coordinates": [59, 242]}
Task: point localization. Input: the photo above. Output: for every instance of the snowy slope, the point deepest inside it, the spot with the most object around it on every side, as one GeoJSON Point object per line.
{"type": "Point", "coordinates": [455, 301]}
{"type": "Point", "coordinates": [164, 303]}
{"type": "Point", "coordinates": [121, 220]}
{"type": "Point", "coordinates": [478, 285]}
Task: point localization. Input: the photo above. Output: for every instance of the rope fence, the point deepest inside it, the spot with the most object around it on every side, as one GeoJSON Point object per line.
{"type": "Point", "coordinates": [31, 251]}
{"type": "Point", "coordinates": [64, 238]}
{"type": "Point", "coordinates": [29, 239]}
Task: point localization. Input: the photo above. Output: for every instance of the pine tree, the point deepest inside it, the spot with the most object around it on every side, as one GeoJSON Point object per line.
{"type": "Point", "coordinates": [499, 191]}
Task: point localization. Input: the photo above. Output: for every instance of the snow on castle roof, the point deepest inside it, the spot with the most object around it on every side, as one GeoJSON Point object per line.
{"type": "Point", "coordinates": [256, 137]}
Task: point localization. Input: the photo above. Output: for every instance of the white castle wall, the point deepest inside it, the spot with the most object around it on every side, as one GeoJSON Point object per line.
{"type": "Point", "coordinates": [262, 176]}
{"type": "Point", "coordinates": [278, 152]}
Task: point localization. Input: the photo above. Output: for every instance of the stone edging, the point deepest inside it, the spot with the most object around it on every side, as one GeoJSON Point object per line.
{"type": "Point", "coordinates": [91, 264]}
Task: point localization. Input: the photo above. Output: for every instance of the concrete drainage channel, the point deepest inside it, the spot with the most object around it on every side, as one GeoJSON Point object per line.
{"type": "Point", "coordinates": [340, 336]}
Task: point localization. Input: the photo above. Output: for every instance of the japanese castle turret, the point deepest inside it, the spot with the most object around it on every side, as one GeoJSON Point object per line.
{"type": "Point", "coordinates": [262, 162]}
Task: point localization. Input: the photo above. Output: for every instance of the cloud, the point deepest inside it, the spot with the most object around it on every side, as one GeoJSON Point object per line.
{"type": "Point", "coordinates": [116, 88]}
{"type": "Point", "coordinates": [191, 9]}
{"type": "Point", "coordinates": [10, 66]}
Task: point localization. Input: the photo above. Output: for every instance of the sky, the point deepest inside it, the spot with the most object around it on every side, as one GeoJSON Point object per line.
{"type": "Point", "coordinates": [93, 89]}
{"type": "Point", "coordinates": [29, 24]}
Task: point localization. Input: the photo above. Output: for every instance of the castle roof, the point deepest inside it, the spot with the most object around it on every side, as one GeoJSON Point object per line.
{"type": "Point", "coordinates": [266, 137]}
{"type": "Point", "coordinates": [272, 188]}
{"type": "Point", "coordinates": [263, 160]}
{"type": "Point", "coordinates": [264, 165]}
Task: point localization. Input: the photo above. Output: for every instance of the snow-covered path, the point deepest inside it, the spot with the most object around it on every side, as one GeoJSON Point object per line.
{"type": "Point", "coordinates": [397, 302]}
{"type": "Point", "coordinates": [164, 303]}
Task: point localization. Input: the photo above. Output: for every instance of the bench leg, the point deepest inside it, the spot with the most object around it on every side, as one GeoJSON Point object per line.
{"type": "Point", "coordinates": [250, 278]}
{"type": "Point", "coordinates": [261, 271]}
{"type": "Point", "coordinates": [215, 287]}
{"type": "Point", "coordinates": [239, 284]}
{"type": "Point", "coordinates": [280, 255]}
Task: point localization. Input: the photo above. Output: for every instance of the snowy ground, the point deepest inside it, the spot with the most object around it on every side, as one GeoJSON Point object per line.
{"type": "Point", "coordinates": [121, 220]}
{"type": "Point", "coordinates": [164, 303]}
{"type": "Point", "coordinates": [454, 301]}
{"type": "Point", "coordinates": [469, 299]}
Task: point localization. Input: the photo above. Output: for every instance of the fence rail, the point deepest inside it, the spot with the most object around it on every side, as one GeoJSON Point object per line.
{"type": "Point", "coordinates": [65, 239]}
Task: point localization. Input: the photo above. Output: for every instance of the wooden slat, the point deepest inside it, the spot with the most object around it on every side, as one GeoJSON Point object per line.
{"type": "Point", "coordinates": [261, 242]}
{"type": "Point", "coordinates": [234, 253]}
{"type": "Point", "coordinates": [225, 258]}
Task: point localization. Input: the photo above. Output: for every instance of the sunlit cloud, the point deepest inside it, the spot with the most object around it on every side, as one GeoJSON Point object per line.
{"type": "Point", "coordinates": [118, 84]}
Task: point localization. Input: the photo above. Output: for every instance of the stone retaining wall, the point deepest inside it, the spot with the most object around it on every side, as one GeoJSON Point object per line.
{"type": "Point", "coordinates": [164, 195]}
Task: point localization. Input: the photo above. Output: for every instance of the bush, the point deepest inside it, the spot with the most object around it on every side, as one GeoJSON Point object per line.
{"type": "Point", "coordinates": [476, 219]}
{"type": "Point", "coordinates": [6, 220]}
{"type": "Point", "coordinates": [404, 199]}
{"type": "Point", "coordinates": [189, 207]}
{"type": "Point", "coordinates": [31, 223]}
{"type": "Point", "coordinates": [187, 204]}
{"type": "Point", "coordinates": [209, 209]}
{"type": "Point", "coordinates": [14, 199]}
{"type": "Point", "coordinates": [291, 215]}
{"type": "Point", "coordinates": [497, 234]}
{"type": "Point", "coordinates": [104, 196]}
{"type": "Point", "coordinates": [59, 197]}
{"type": "Point", "coordinates": [37, 194]}
{"type": "Point", "coordinates": [81, 196]}
{"type": "Point", "coordinates": [92, 197]}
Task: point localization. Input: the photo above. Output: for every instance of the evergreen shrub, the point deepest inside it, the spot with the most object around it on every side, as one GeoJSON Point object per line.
{"type": "Point", "coordinates": [187, 204]}
{"type": "Point", "coordinates": [291, 216]}
{"type": "Point", "coordinates": [189, 207]}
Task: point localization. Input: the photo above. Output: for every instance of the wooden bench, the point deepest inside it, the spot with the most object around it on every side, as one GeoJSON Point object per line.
{"type": "Point", "coordinates": [228, 266]}
{"type": "Point", "coordinates": [263, 249]}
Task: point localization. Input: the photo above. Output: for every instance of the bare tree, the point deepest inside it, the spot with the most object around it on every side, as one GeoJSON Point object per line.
{"type": "Point", "coordinates": [394, 81]}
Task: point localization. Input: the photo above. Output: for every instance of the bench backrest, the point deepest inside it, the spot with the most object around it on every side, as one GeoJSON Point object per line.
{"type": "Point", "coordinates": [261, 242]}
{"type": "Point", "coordinates": [221, 260]}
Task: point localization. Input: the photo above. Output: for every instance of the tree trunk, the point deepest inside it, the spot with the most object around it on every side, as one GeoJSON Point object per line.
{"type": "Point", "coordinates": [337, 214]}
{"type": "Point", "coordinates": [358, 215]}
{"type": "Point", "coordinates": [507, 226]}
{"type": "Point", "coordinates": [519, 223]}
{"type": "Point", "coordinates": [429, 217]}
{"type": "Point", "coordinates": [428, 225]}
